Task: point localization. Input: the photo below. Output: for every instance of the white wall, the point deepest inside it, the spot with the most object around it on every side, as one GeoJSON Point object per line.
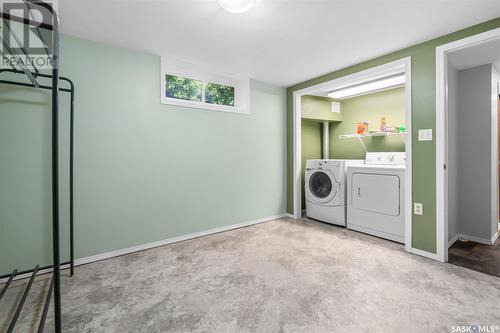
{"type": "Point", "coordinates": [472, 199]}
{"type": "Point", "coordinates": [495, 82]}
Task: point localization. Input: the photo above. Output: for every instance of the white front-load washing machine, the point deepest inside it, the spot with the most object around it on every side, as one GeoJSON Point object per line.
{"type": "Point", "coordinates": [376, 196]}
{"type": "Point", "coordinates": [325, 190]}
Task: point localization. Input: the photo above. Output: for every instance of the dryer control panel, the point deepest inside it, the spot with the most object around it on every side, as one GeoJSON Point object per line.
{"type": "Point", "coordinates": [386, 158]}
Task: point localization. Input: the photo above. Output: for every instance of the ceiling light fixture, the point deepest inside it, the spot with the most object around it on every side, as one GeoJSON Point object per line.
{"type": "Point", "coordinates": [369, 87]}
{"type": "Point", "coordinates": [236, 6]}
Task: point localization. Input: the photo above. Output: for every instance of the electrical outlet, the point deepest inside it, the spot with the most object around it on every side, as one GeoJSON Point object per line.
{"type": "Point", "coordinates": [418, 208]}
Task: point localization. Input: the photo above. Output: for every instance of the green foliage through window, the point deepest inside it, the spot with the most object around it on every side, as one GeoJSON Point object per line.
{"type": "Point", "coordinates": [219, 94]}
{"type": "Point", "coordinates": [191, 90]}
{"type": "Point", "coordinates": [183, 88]}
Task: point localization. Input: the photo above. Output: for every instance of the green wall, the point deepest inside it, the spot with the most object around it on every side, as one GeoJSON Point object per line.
{"type": "Point", "coordinates": [25, 178]}
{"type": "Point", "coordinates": [318, 108]}
{"type": "Point", "coordinates": [423, 61]}
{"type": "Point", "coordinates": [315, 110]}
{"type": "Point", "coordinates": [311, 143]}
{"type": "Point", "coordinates": [389, 103]}
{"type": "Point", "coordinates": [144, 171]}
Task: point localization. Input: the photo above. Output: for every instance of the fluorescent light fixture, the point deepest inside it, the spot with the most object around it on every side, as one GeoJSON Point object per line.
{"type": "Point", "coordinates": [236, 6]}
{"type": "Point", "coordinates": [369, 87]}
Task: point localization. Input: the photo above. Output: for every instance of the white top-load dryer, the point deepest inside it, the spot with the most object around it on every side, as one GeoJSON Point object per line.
{"type": "Point", "coordinates": [325, 190]}
{"type": "Point", "coordinates": [376, 196]}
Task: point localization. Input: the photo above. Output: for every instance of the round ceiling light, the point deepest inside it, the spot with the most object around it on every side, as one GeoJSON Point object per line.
{"type": "Point", "coordinates": [236, 6]}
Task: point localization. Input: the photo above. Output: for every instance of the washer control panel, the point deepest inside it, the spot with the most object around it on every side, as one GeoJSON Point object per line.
{"type": "Point", "coordinates": [334, 166]}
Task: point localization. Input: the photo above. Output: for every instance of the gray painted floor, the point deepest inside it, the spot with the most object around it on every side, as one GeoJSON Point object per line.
{"type": "Point", "coordinates": [280, 276]}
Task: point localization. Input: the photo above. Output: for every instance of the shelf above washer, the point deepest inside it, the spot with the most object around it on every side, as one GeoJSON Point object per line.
{"type": "Point", "coordinates": [352, 136]}
{"type": "Point", "coordinates": [368, 135]}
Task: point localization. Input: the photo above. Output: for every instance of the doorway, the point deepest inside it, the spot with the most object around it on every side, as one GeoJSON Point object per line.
{"type": "Point", "coordinates": [402, 66]}
{"type": "Point", "coordinates": [467, 155]}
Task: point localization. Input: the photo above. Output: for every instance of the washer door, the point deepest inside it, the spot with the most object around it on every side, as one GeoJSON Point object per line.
{"type": "Point", "coordinates": [321, 186]}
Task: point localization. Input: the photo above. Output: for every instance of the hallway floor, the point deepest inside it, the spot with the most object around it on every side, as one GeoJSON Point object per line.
{"type": "Point", "coordinates": [479, 257]}
{"type": "Point", "coordinates": [279, 276]}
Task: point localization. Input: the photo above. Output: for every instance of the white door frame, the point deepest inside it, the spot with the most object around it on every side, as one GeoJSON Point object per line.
{"type": "Point", "coordinates": [405, 65]}
{"type": "Point", "coordinates": [441, 144]}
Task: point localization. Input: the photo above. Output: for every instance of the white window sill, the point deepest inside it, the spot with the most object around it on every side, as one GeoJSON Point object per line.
{"type": "Point", "coordinates": [203, 106]}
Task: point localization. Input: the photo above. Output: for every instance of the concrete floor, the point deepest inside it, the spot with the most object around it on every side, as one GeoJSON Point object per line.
{"type": "Point", "coordinates": [280, 276]}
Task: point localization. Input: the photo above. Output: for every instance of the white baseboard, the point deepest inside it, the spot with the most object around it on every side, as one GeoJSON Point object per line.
{"type": "Point", "coordinates": [107, 255]}
{"type": "Point", "coordinates": [426, 254]}
{"type": "Point", "coordinates": [473, 239]}
{"type": "Point", "coordinates": [494, 238]}
{"type": "Point", "coordinates": [116, 253]}
{"type": "Point", "coordinates": [479, 240]}
{"type": "Point", "coordinates": [290, 215]}
{"type": "Point", "coordinates": [453, 240]}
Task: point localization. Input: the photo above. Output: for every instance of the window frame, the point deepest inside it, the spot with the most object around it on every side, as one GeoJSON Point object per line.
{"type": "Point", "coordinates": [189, 71]}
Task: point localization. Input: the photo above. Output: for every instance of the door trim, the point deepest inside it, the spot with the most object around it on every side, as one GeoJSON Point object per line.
{"type": "Point", "coordinates": [441, 110]}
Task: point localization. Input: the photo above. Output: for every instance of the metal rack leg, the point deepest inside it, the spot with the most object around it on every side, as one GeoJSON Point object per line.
{"type": "Point", "coordinates": [21, 302]}
{"type": "Point", "coordinates": [71, 167]}
{"type": "Point", "coordinates": [46, 306]}
{"type": "Point", "coordinates": [6, 285]}
{"type": "Point", "coordinates": [55, 174]}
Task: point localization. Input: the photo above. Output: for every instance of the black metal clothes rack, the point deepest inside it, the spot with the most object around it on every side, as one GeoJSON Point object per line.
{"type": "Point", "coordinates": [32, 75]}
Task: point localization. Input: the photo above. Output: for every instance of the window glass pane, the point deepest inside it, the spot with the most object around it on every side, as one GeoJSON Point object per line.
{"type": "Point", "coordinates": [219, 94]}
{"type": "Point", "coordinates": [183, 88]}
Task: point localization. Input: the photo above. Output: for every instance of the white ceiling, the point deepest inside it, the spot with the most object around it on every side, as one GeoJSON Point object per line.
{"type": "Point", "coordinates": [278, 41]}
{"type": "Point", "coordinates": [482, 54]}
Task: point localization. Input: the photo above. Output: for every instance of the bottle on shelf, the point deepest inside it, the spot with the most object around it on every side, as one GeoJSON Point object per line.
{"type": "Point", "coordinates": [383, 124]}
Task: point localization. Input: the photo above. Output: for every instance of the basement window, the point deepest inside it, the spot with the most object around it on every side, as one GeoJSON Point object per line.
{"type": "Point", "coordinates": [187, 86]}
